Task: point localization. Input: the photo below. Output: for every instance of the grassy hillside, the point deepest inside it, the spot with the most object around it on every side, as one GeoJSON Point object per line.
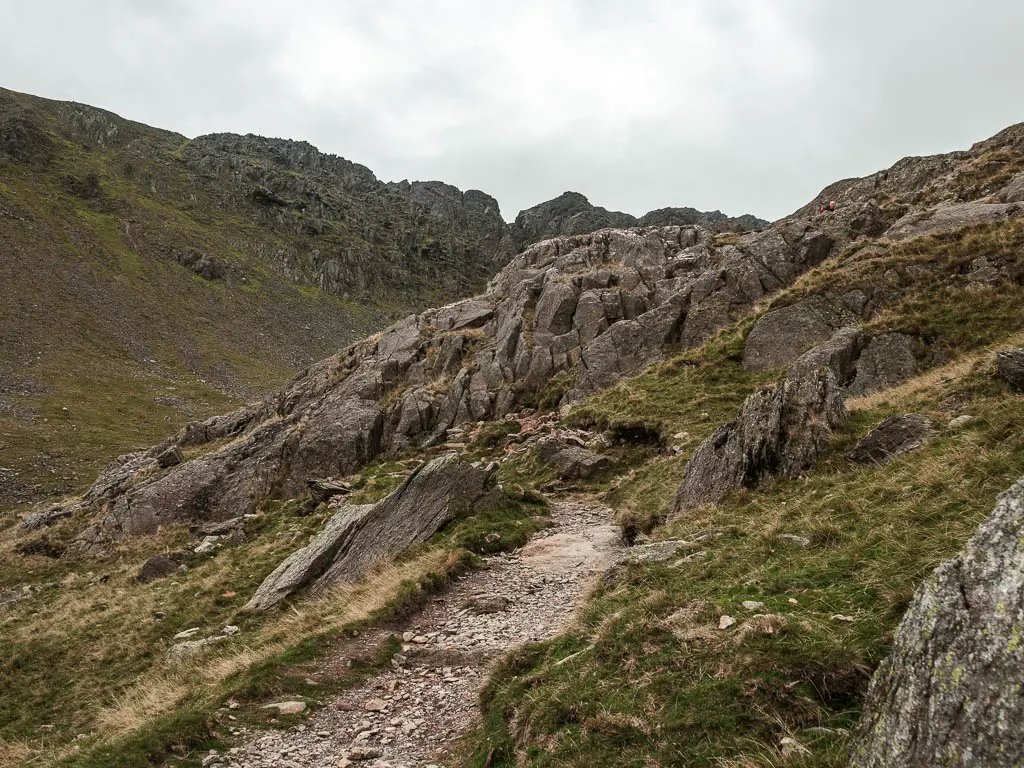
{"type": "Point", "coordinates": [646, 677]}
{"type": "Point", "coordinates": [139, 291]}
{"type": "Point", "coordinates": [833, 557]}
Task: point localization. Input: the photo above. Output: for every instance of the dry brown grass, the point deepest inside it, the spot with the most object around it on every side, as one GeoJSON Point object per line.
{"type": "Point", "coordinates": [913, 388]}
{"type": "Point", "coordinates": [160, 691]}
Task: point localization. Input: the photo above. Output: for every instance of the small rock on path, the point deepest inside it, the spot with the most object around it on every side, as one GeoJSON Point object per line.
{"type": "Point", "coordinates": [411, 715]}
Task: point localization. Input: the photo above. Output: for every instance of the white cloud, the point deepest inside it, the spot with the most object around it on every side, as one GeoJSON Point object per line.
{"type": "Point", "coordinates": [742, 105]}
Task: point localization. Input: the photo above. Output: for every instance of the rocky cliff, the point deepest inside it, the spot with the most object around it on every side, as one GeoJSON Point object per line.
{"type": "Point", "coordinates": [566, 317]}
{"type": "Point", "coordinates": [188, 275]}
{"type": "Point", "coordinates": [572, 214]}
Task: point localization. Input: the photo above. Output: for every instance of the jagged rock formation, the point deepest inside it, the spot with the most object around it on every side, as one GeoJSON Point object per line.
{"type": "Point", "coordinates": [362, 535]}
{"type": "Point", "coordinates": [592, 308]}
{"type": "Point", "coordinates": [918, 196]}
{"type": "Point", "coordinates": [780, 430]}
{"type": "Point", "coordinates": [363, 234]}
{"type": "Point", "coordinates": [949, 693]}
{"type": "Point", "coordinates": [195, 259]}
{"type": "Point", "coordinates": [566, 317]}
{"type": "Point", "coordinates": [572, 214]}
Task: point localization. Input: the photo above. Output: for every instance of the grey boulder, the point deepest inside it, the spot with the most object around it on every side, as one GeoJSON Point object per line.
{"type": "Point", "coordinates": [361, 536]}
{"type": "Point", "coordinates": [950, 691]}
{"type": "Point", "coordinates": [1010, 368]}
{"type": "Point", "coordinates": [780, 430]}
{"type": "Point", "coordinates": [895, 436]}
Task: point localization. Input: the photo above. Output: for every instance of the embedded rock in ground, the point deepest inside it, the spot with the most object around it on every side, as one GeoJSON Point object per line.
{"type": "Point", "coordinates": [780, 430]}
{"type": "Point", "coordinates": [46, 518]}
{"type": "Point", "coordinates": [893, 437]}
{"type": "Point", "coordinates": [655, 552]}
{"type": "Point", "coordinates": [158, 567]}
{"type": "Point", "coordinates": [287, 707]}
{"type": "Point", "coordinates": [481, 605]}
{"type": "Point", "coordinates": [1010, 368]}
{"type": "Point", "coordinates": [170, 458]}
{"type": "Point", "coordinates": [571, 461]}
{"type": "Point", "coordinates": [949, 692]}
{"type": "Point", "coordinates": [950, 217]}
{"type": "Point", "coordinates": [360, 536]}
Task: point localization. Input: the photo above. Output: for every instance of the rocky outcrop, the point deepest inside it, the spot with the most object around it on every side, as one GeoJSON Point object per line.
{"type": "Point", "coordinates": [587, 309]}
{"type": "Point", "coordinates": [360, 536]}
{"type": "Point", "coordinates": [951, 217]}
{"type": "Point", "coordinates": [568, 214]}
{"type": "Point", "coordinates": [782, 335]}
{"type": "Point", "coordinates": [780, 430]}
{"type": "Point", "coordinates": [591, 308]}
{"type": "Point", "coordinates": [949, 692]}
{"type": "Point", "coordinates": [889, 359]}
{"type": "Point", "coordinates": [427, 232]}
{"type": "Point", "coordinates": [716, 221]}
{"type": "Point", "coordinates": [895, 436]}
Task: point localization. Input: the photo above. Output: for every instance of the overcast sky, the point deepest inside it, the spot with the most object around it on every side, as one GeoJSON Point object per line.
{"type": "Point", "coordinates": [742, 105]}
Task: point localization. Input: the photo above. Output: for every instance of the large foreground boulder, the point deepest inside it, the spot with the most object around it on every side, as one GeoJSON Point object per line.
{"type": "Point", "coordinates": [361, 535]}
{"type": "Point", "coordinates": [950, 691]}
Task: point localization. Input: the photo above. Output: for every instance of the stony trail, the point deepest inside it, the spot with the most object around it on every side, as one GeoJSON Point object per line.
{"type": "Point", "coordinates": [411, 715]}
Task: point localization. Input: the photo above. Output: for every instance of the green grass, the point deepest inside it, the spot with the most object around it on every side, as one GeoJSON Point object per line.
{"type": "Point", "coordinates": [692, 392]}
{"type": "Point", "coordinates": [646, 677]}
{"type": "Point", "coordinates": [658, 683]}
{"type": "Point", "coordinates": [93, 640]}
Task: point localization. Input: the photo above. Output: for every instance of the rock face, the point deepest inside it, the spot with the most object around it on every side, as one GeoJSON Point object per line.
{"type": "Point", "coordinates": [593, 308]}
{"type": "Point", "coordinates": [360, 536]}
{"type": "Point", "coordinates": [893, 437]}
{"type": "Point", "coordinates": [780, 430]}
{"type": "Point", "coordinates": [949, 693]}
{"type": "Point", "coordinates": [351, 219]}
{"type": "Point", "coordinates": [784, 334]}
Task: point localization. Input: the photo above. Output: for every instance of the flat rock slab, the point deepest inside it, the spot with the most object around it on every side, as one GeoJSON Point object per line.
{"type": "Point", "coordinates": [565, 552]}
{"type": "Point", "coordinates": [894, 437]}
{"type": "Point", "coordinates": [360, 536]}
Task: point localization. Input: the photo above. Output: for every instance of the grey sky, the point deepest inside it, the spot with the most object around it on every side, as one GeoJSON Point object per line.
{"type": "Point", "coordinates": [743, 105]}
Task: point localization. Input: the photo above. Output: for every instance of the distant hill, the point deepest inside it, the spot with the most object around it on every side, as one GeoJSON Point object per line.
{"type": "Point", "coordinates": [147, 279]}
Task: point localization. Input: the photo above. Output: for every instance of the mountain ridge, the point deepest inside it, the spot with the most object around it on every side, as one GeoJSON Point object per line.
{"type": "Point", "coordinates": [183, 276]}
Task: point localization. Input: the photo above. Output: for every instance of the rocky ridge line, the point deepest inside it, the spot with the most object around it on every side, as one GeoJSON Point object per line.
{"type": "Point", "coordinates": [566, 317]}
{"type": "Point", "coordinates": [949, 693]}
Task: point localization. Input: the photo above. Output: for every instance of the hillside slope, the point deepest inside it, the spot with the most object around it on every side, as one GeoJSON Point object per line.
{"type": "Point", "coordinates": [751, 641]}
{"type": "Point", "coordinates": [148, 279]}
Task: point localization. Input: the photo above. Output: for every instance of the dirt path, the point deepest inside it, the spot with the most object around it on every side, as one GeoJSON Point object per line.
{"type": "Point", "coordinates": [411, 715]}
